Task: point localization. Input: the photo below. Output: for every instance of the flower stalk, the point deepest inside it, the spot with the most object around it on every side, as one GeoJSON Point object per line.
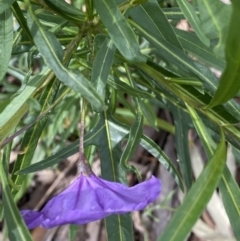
{"type": "Point", "coordinates": [83, 165]}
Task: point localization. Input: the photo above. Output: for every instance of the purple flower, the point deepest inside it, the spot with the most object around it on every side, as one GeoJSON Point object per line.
{"type": "Point", "coordinates": [90, 198]}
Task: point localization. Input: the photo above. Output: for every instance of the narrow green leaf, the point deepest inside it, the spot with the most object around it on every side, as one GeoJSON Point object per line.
{"type": "Point", "coordinates": [51, 50]}
{"type": "Point", "coordinates": [125, 88]}
{"type": "Point", "coordinates": [73, 231]}
{"type": "Point", "coordinates": [127, 117]}
{"type": "Point", "coordinates": [31, 137]}
{"type": "Point", "coordinates": [134, 138]}
{"type": "Point", "coordinates": [182, 124]}
{"type": "Point", "coordinates": [6, 40]}
{"type": "Point", "coordinates": [228, 187]}
{"type": "Point", "coordinates": [68, 11]}
{"type": "Point", "coordinates": [148, 112]}
{"type": "Point", "coordinates": [188, 67]}
{"type": "Point", "coordinates": [173, 13]}
{"type": "Point", "coordinates": [5, 4]}
{"type": "Point", "coordinates": [191, 43]}
{"type": "Point", "coordinates": [17, 230]}
{"type": "Point", "coordinates": [156, 151]}
{"type": "Point", "coordinates": [231, 199]}
{"type": "Point", "coordinates": [150, 16]}
{"type": "Point", "coordinates": [91, 138]}
{"type": "Point", "coordinates": [197, 198]}
{"type": "Point", "coordinates": [119, 131]}
{"type": "Point", "coordinates": [119, 30]}
{"type": "Point", "coordinates": [190, 14]}
{"type": "Point", "coordinates": [119, 227]}
{"type": "Point", "coordinates": [101, 67]}
{"type": "Point", "coordinates": [176, 56]}
{"type": "Point", "coordinates": [18, 14]}
{"type": "Point", "coordinates": [211, 15]}
{"type": "Point", "coordinates": [15, 110]}
{"type": "Point", "coordinates": [206, 140]}
{"type": "Point", "coordinates": [229, 83]}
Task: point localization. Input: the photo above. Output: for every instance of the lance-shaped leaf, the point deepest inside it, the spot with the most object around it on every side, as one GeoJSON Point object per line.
{"type": "Point", "coordinates": [91, 138]}
{"type": "Point", "coordinates": [18, 229]}
{"type": "Point", "coordinates": [18, 14]}
{"type": "Point", "coordinates": [229, 83]}
{"type": "Point", "coordinates": [177, 57]}
{"type": "Point", "coordinates": [231, 199]}
{"type": "Point", "coordinates": [150, 16]}
{"type": "Point", "coordinates": [102, 65]}
{"type": "Point", "coordinates": [51, 51]}
{"type": "Point", "coordinates": [196, 199]}
{"type": "Point", "coordinates": [31, 137]}
{"type": "Point", "coordinates": [13, 112]}
{"type": "Point", "coordinates": [211, 14]}
{"type": "Point", "coordinates": [134, 138]}
{"type": "Point", "coordinates": [68, 11]}
{"type": "Point", "coordinates": [182, 122]}
{"type": "Point", "coordinates": [190, 14]}
{"type": "Point", "coordinates": [228, 187]}
{"type": "Point", "coordinates": [119, 228]}
{"type": "Point", "coordinates": [119, 30]}
{"type": "Point", "coordinates": [6, 40]}
{"type": "Point", "coordinates": [191, 43]}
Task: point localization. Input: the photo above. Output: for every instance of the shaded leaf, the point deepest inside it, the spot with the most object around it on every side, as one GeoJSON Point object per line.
{"type": "Point", "coordinates": [68, 11]}
{"type": "Point", "coordinates": [5, 4]}
{"type": "Point", "coordinates": [231, 199]}
{"type": "Point", "coordinates": [229, 83]}
{"type": "Point", "coordinates": [32, 135]}
{"type": "Point", "coordinates": [51, 50]}
{"type": "Point", "coordinates": [182, 124]}
{"type": "Point", "coordinates": [101, 67]}
{"type": "Point", "coordinates": [17, 230]}
{"type": "Point", "coordinates": [191, 43]}
{"type": "Point", "coordinates": [91, 138]}
{"type": "Point", "coordinates": [6, 40]}
{"type": "Point", "coordinates": [190, 14]}
{"type": "Point", "coordinates": [211, 15]}
{"type": "Point", "coordinates": [228, 187]}
{"type": "Point", "coordinates": [133, 141]}
{"type": "Point", "coordinates": [14, 111]}
{"type": "Point", "coordinates": [18, 14]}
{"type": "Point", "coordinates": [119, 227]}
{"type": "Point", "coordinates": [150, 16]}
{"type": "Point", "coordinates": [119, 30]}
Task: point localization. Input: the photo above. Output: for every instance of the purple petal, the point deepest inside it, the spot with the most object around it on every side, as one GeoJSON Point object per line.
{"type": "Point", "coordinates": [90, 198]}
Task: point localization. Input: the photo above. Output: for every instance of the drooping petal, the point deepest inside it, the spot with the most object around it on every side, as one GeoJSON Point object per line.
{"type": "Point", "coordinates": [90, 198]}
